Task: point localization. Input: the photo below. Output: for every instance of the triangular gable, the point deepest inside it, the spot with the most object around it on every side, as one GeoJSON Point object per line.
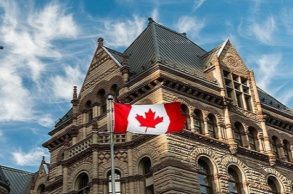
{"type": "Point", "coordinates": [101, 56]}
{"type": "Point", "coordinates": [230, 58]}
{"type": "Point", "coordinates": [43, 169]}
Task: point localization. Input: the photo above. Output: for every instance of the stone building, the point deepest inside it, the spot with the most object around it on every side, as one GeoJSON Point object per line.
{"type": "Point", "coordinates": [237, 139]}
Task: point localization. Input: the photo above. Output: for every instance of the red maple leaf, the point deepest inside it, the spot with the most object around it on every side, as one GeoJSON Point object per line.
{"type": "Point", "coordinates": [149, 120]}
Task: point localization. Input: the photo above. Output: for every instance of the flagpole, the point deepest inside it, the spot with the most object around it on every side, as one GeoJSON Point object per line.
{"type": "Point", "coordinates": [110, 128]}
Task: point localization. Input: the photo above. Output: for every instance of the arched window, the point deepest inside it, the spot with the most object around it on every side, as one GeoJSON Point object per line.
{"type": "Point", "coordinates": [115, 90]}
{"type": "Point", "coordinates": [287, 150]}
{"type": "Point", "coordinates": [102, 100]}
{"type": "Point", "coordinates": [238, 130]}
{"type": "Point", "coordinates": [82, 184]}
{"type": "Point", "coordinates": [185, 112]}
{"type": "Point", "coordinates": [117, 182]}
{"type": "Point", "coordinates": [252, 138]}
{"type": "Point", "coordinates": [234, 180]}
{"type": "Point", "coordinates": [204, 177]}
{"type": "Point", "coordinates": [212, 125]}
{"type": "Point", "coordinates": [274, 143]}
{"type": "Point", "coordinates": [198, 121]}
{"type": "Point", "coordinates": [274, 185]}
{"type": "Point", "coordinates": [88, 106]}
{"type": "Point", "coordinates": [41, 189]}
{"type": "Point", "coordinates": [145, 170]}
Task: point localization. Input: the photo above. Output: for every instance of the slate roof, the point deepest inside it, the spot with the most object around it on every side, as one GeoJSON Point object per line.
{"type": "Point", "coordinates": [65, 118]}
{"type": "Point", "coordinates": [158, 43]}
{"type": "Point", "coordinates": [3, 180]}
{"type": "Point", "coordinates": [19, 180]}
{"type": "Point", "coordinates": [269, 100]}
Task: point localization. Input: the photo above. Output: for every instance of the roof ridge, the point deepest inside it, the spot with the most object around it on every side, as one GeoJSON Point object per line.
{"type": "Point", "coordinates": [178, 33]}
{"type": "Point", "coordinates": [156, 46]}
{"type": "Point", "coordinates": [136, 39]}
{"type": "Point", "coordinates": [15, 170]}
{"type": "Point", "coordinates": [115, 51]}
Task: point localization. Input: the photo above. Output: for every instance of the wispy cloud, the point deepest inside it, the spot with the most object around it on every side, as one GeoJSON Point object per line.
{"type": "Point", "coordinates": [197, 4]}
{"type": "Point", "coordinates": [46, 120]}
{"type": "Point", "coordinates": [62, 85]}
{"type": "Point", "coordinates": [30, 158]}
{"type": "Point", "coordinates": [191, 25]}
{"type": "Point", "coordinates": [267, 66]}
{"type": "Point", "coordinates": [119, 32]}
{"type": "Point", "coordinates": [264, 31]}
{"type": "Point", "coordinates": [29, 36]}
{"type": "Point", "coordinates": [286, 19]}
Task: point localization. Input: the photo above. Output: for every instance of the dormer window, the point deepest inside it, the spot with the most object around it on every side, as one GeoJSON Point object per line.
{"type": "Point", "coordinates": [237, 88]}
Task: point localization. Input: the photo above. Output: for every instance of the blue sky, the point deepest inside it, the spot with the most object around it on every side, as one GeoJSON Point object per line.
{"type": "Point", "coordinates": [49, 45]}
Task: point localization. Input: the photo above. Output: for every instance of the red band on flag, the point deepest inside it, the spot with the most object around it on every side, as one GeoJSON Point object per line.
{"type": "Point", "coordinates": [177, 120]}
{"type": "Point", "coordinates": [121, 112]}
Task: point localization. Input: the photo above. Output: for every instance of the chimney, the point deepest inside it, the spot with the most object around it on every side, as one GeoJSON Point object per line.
{"type": "Point", "coordinates": [100, 42]}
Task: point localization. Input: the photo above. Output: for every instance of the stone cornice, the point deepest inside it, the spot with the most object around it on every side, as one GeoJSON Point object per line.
{"type": "Point", "coordinates": [253, 154]}
{"type": "Point", "coordinates": [279, 124]}
{"type": "Point", "coordinates": [204, 139]}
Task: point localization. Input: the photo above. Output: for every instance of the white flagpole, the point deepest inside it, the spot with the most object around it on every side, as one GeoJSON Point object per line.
{"type": "Point", "coordinates": [110, 128]}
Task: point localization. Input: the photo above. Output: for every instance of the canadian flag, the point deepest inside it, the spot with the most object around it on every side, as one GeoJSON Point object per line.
{"type": "Point", "coordinates": [153, 119]}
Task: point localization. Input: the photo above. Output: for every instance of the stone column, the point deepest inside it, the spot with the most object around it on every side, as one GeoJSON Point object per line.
{"type": "Point", "coordinates": [245, 138]}
{"type": "Point", "coordinates": [260, 141]}
{"type": "Point", "coordinates": [280, 147]}
{"type": "Point", "coordinates": [229, 131]}
{"type": "Point", "coordinates": [95, 171]}
{"type": "Point", "coordinates": [95, 110]}
{"type": "Point", "coordinates": [291, 155]}
{"type": "Point", "coordinates": [205, 123]}
{"type": "Point", "coordinates": [191, 123]}
{"type": "Point", "coordinates": [130, 171]}
{"type": "Point", "coordinates": [65, 180]}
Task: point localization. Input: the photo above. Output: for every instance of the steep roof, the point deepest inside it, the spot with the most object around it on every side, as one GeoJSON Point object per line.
{"type": "Point", "coordinates": [158, 43]}
{"type": "Point", "coordinates": [269, 100]}
{"type": "Point", "coordinates": [65, 118]}
{"type": "Point", "coordinates": [19, 180]}
{"type": "Point", "coordinates": [3, 180]}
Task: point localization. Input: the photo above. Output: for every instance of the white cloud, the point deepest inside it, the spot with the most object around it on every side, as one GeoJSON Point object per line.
{"type": "Point", "coordinates": [267, 69]}
{"type": "Point", "coordinates": [191, 25]}
{"type": "Point", "coordinates": [46, 120]}
{"type": "Point", "coordinates": [29, 36]}
{"type": "Point", "coordinates": [30, 158]}
{"type": "Point", "coordinates": [121, 33]}
{"type": "Point", "coordinates": [264, 32]}
{"type": "Point", "coordinates": [155, 14]}
{"type": "Point", "coordinates": [197, 4]}
{"type": "Point", "coordinates": [62, 86]}
{"type": "Point", "coordinates": [16, 103]}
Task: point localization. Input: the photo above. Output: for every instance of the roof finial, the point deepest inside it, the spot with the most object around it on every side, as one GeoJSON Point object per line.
{"type": "Point", "coordinates": [184, 34]}
{"type": "Point", "coordinates": [150, 20]}
{"type": "Point", "coordinates": [100, 42]}
{"type": "Point", "coordinates": [74, 97]}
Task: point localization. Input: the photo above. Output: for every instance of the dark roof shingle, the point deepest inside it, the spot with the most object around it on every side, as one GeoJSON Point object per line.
{"type": "Point", "coordinates": [19, 180]}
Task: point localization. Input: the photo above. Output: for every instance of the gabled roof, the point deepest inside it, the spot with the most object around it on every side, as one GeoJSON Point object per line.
{"type": "Point", "coordinates": [19, 180]}
{"type": "Point", "coordinates": [158, 43]}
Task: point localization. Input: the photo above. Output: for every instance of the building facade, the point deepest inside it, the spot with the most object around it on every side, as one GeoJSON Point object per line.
{"type": "Point", "coordinates": [237, 139]}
